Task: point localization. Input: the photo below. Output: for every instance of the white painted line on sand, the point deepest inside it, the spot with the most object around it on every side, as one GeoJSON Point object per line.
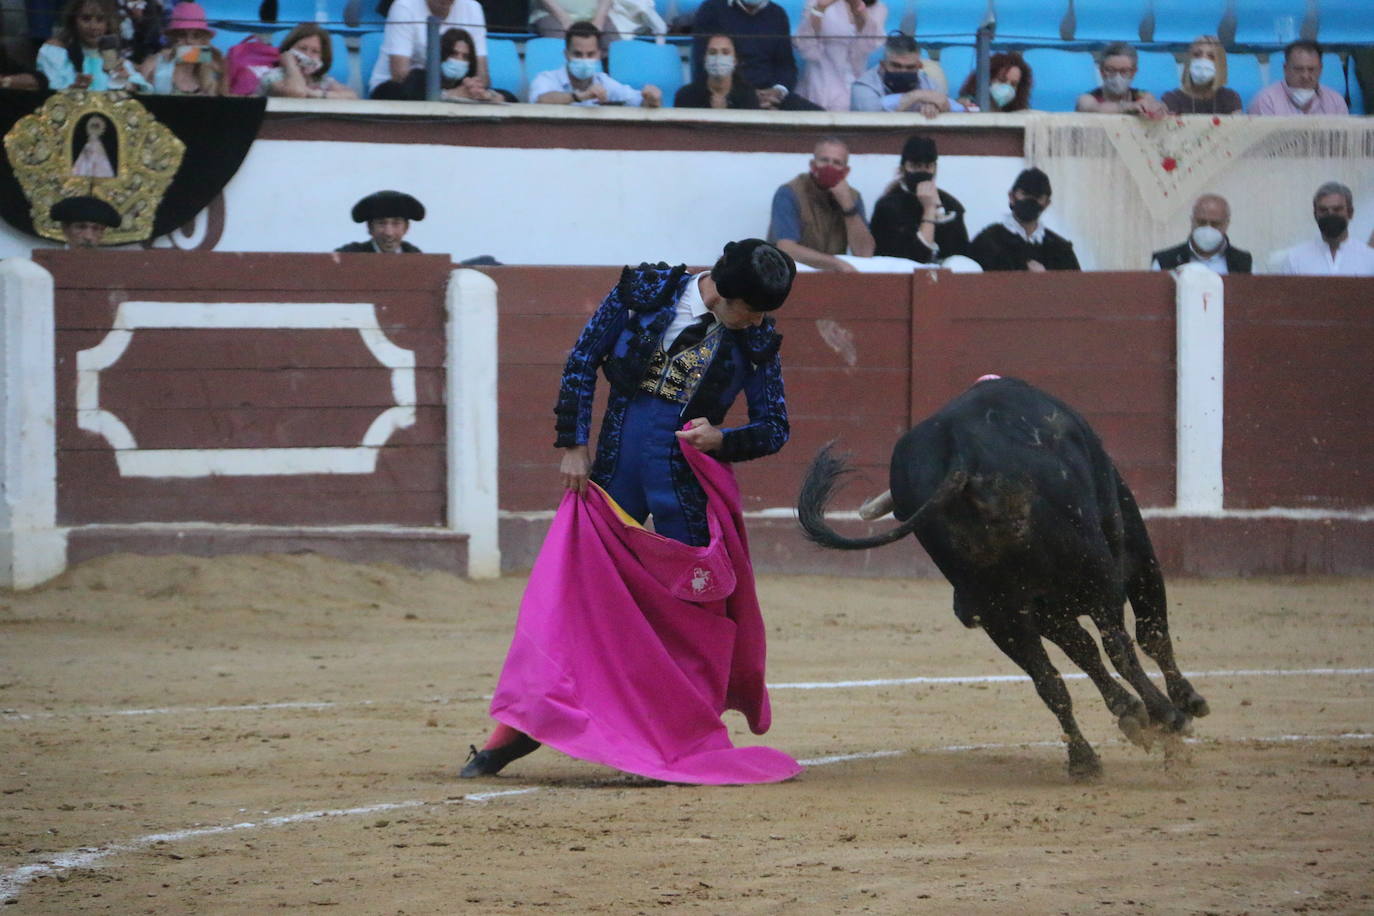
{"type": "Point", "coordinates": [12, 881]}
{"type": "Point", "coordinates": [11, 715]}
{"type": "Point", "coordinates": [1069, 676]}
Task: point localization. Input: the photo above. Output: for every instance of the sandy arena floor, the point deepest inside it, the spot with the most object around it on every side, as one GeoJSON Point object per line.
{"type": "Point", "coordinates": [247, 734]}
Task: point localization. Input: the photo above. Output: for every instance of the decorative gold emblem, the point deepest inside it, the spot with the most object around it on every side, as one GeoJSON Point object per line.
{"type": "Point", "coordinates": [101, 144]}
{"type": "Point", "coordinates": [675, 378]}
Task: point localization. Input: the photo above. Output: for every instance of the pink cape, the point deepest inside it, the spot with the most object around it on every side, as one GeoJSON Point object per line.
{"type": "Point", "coordinates": [630, 645]}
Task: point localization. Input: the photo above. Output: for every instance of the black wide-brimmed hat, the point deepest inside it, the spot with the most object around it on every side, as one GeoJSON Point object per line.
{"type": "Point", "coordinates": [85, 210]}
{"type": "Point", "coordinates": [386, 204]}
{"type": "Point", "coordinates": [1033, 182]}
{"type": "Point", "coordinates": [755, 271]}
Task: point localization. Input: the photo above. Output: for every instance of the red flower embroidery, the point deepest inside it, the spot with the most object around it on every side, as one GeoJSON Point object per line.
{"type": "Point", "coordinates": [1216, 122]}
{"type": "Point", "coordinates": [1169, 163]}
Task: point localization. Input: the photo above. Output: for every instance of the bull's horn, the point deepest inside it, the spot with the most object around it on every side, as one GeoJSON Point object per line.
{"type": "Point", "coordinates": [876, 507]}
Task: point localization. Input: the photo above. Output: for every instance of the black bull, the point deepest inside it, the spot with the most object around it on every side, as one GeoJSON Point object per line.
{"type": "Point", "coordinates": [1015, 499]}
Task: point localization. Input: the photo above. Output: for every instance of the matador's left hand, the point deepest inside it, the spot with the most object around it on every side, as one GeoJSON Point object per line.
{"type": "Point", "coordinates": [702, 434]}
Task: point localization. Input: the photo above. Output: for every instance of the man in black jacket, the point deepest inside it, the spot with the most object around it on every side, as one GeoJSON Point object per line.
{"type": "Point", "coordinates": [915, 219]}
{"type": "Point", "coordinates": [388, 215]}
{"type": "Point", "coordinates": [1208, 243]}
{"type": "Point", "coordinates": [1020, 241]}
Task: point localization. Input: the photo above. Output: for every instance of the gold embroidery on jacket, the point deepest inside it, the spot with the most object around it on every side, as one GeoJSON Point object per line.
{"type": "Point", "coordinates": [675, 378]}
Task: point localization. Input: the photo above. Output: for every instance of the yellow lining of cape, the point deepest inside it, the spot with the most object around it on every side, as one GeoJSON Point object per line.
{"type": "Point", "coordinates": [620, 513]}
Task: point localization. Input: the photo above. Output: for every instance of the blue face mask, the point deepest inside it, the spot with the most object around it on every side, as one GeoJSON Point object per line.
{"type": "Point", "coordinates": [1002, 94]}
{"type": "Point", "coordinates": [454, 69]}
{"type": "Point", "coordinates": [583, 68]}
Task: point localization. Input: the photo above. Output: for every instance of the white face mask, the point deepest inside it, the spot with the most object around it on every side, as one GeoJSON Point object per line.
{"type": "Point", "coordinates": [1202, 70]}
{"type": "Point", "coordinates": [720, 64]}
{"type": "Point", "coordinates": [1002, 93]}
{"type": "Point", "coordinates": [1301, 96]}
{"type": "Point", "coordinates": [307, 63]}
{"type": "Point", "coordinates": [1207, 239]}
{"type": "Point", "coordinates": [1116, 84]}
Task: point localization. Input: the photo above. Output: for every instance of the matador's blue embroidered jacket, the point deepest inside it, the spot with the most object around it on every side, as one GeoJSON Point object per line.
{"type": "Point", "coordinates": [621, 338]}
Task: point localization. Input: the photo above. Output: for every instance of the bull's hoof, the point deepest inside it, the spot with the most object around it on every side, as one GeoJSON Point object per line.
{"type": "Point", "coordinates": [1195, 705]}
{"type": "Point", "coordinates": [1172, 720]}
{"type": "Point", "coordinates": [1084, 765]}
{"type": "Point", "coordinates": [1135, 725]}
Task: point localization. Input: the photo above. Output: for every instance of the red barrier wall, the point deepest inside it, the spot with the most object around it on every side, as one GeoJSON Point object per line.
{"type": "Point", "coordinates": [1299, 418]}
{"type": "Point", "coordinates": [250, 388]}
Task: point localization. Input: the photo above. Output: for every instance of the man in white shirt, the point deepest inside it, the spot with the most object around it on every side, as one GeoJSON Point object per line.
{"type": "Point", "coordinates": [1208, 244]}
{"type": "Point", "coordinates": [582, 82]}
{"type": "Point", "coordinates": [400, 69]}
{"type": "Point", "coordinates": [1335, 253]}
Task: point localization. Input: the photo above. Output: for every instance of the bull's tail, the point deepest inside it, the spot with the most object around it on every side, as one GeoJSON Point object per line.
{"type": "Point", "coordinates": [823, 479]}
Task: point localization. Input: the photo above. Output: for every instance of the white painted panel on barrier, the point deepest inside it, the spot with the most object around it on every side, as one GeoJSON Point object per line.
{"type": "Point", "coordinates": [135, 462]}
{"type": "Point", "coordinates": [472, 424]}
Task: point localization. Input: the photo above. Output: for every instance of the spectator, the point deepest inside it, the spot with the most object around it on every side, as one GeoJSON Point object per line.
{"type": "Point", "coordinates": [628, 18]}
{"type": "Point", "coordinates": [1335, 253]}
{"type": "Point", "coordinates": [914, 219]}
{"type": "Point", "coordinates": [1115, 95]}
{"type": "Point", "coordinates": [1300, 92]}
{"type": "Point", "coordinates": [898, 82]}
{"type": "Point", "coordinates": [1203, 88]}
{"type": "Point", "coordinates": [457, 54]}
{"type": "Point", "coordinates": [400, 69]}
{"type": "Point", "coordinates": [14, 75]}
{"type": "Point", "coordinates": [140, 27]}
{"type": "Point", "coordinates": [835, 38]}
{"type": "Point", "coordinates": [84, 51]}
{"type": "Point", "coordinates": [84, 220]}
{"type": "Point", "coordinates": [721, 87]}
{"type": "Point", "coordinates": [760, 29]}
{"type": "Point", "coordinates": [581, 81]}
{"type": "Point", "coordinates": [302, 71]}
{"type": "Point", "coordinates": [1020, 241]}
{"type": "Point", "coordinates": [1208, 243]}
{"type": "Point", "coordinates": [553, 18]}
{"type": "Point", "coordinates": [388, 215]}
{"type": "Point", "coordinates": [817, 215]}
{"type": "Point", "coordinates": [189, 65]}
{"type": "Point", "coordinates": [1009, 84]}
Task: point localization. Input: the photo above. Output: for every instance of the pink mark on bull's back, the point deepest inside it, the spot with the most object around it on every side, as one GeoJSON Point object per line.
{"type": "Point", "coordinates": [987, 378]}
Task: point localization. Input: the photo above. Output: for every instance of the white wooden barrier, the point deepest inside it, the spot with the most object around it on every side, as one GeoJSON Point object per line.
{"type": "Point", "coordinates": [471, 414]}
{"type": "Point", "coordinates": [1201, 389]}
{"type": "Point", "coordinates": [32, 548]}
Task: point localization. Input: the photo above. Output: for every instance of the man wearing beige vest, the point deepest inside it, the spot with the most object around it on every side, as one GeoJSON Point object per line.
{"type": "Point", "coordinates": [817, 215]}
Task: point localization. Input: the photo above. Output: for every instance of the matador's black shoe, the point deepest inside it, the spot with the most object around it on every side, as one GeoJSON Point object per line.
{"type": "Point", "coordinates": [493, 761]}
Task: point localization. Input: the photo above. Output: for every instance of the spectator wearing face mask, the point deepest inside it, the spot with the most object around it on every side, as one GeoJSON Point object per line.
{"type": "Point", "coordinates": [458, 81]}
{"type": "Point", "coordinates": [140, 27]}
{"type": "Point", "coordinates": [1203, 88]}
{"type": "Point", "coordinates": [721, 87]}
{"type": "Point", "coordinates": [898, 82]}
{"type": "Point", "coordinates": [764, 58]}
{"type": "Point", "coordinates": [1300, 92]}
{"type": "Point", "coordinates": [1020, 241]}
{"type": "Point", "coordinates": [189, 65]}
{"type": "Point", "coordinates": [835, 38]}
{"type": "Point", "coordinates": [1115, 96]}
{"type": "Point", "coordinates": [581, 81]}
{"type": "Point", "coordinates": [1335, 253]}
{"type": "Point", "coordinates": [400, 69]}
{"type": "Point", "coordinates": [817, 215]}
{"type": "Point", "coordinates": [1208, 243]}
{"type": "Point", "coordinates": [84, 51]}
{"type": "Point", "coordinates": [915, 219]}
{"type": "Point", "coordinates": [302, 71]}
{"type": "Point", "coordinates": [1009, 88]}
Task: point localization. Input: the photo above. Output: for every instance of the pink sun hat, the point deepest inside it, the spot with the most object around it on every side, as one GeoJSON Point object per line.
{"type": "Point", "coordinates": [189, 16]}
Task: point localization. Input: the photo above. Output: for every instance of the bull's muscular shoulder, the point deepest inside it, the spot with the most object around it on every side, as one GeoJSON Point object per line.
{"type": "Point", "coordinates": [650, 287]}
